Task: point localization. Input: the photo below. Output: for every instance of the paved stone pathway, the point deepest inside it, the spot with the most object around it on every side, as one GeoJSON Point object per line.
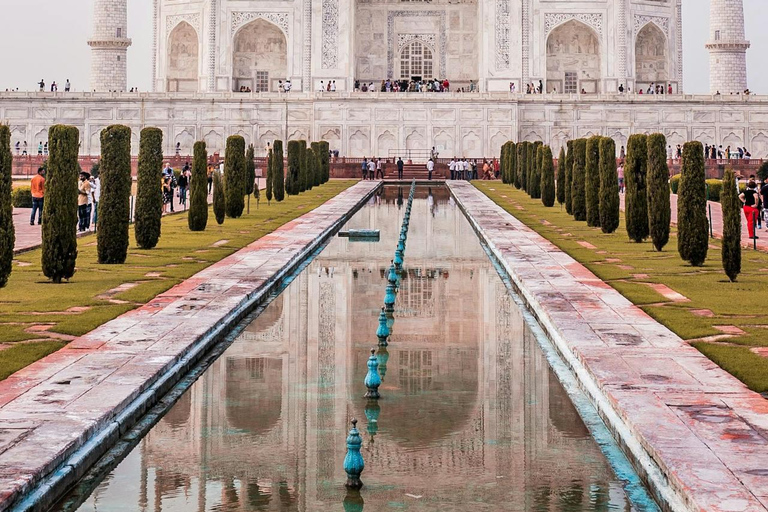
{"type": "Point", "coordinates": [100, 383]}
{"type": "Point", "coordinates": [703, 428]}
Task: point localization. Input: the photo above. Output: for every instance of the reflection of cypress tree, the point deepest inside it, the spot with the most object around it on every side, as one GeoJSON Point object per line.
{"type": "Point", "coordinates": [547, 177]}
{"type": "Point", "coordinates": [609, 186]}
{"type": "Point", "coordinates": [60, 207]}
{"type": "Point", "coordinates": [7, 230]}
{"type": "Point", "coordinates": [198, 189]}
{"type": "Point", "coordinates": [592, 181]}
{"type": "Point", "coordinates": [659, 210]}
{"type": "Point", "coordinates": [278, 176]}
{"type": "Point", "coordinates": [692, 223]}
{"type": "Point", "coordinates": [561, 176]}
{"type": "Point", "coordinates": [234, 176]}
{"type": "Point", "coordinates": [115, 203]}
{"type": "Point", "coordinates": [636, 200]}
{"type": "Point", "coordinates": [731, 204]}
{"type": "Point", "coordinates": [149, 193]}
{"type": "Point", "coordinates": [578, 199]}
{"type": "Point", "coordinates": [569, 178]}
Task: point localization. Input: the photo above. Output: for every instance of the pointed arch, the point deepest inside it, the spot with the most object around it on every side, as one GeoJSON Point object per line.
{"type": "Point", "coordinates": [260, 56]}
{"type": "Point", "coordinates": [651, 56]}
{"type": "Point", "coordinates": [573, 58]}
{"type": "Point", "coordinates": [386, 143]}
{"type": "Point", "coordinates": [183, 59]}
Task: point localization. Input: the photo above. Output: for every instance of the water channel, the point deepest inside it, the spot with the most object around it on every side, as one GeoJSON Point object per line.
{"type": "Point", "coordinates": [471, 417]}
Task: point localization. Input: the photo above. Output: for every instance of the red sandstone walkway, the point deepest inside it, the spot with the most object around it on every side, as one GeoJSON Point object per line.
{"type": "Point", "coordinates": [717, 224]}
{"type": "Point", "coordinates": [703, 428]}
{"type": "Point", "coordinates": [52, 407]}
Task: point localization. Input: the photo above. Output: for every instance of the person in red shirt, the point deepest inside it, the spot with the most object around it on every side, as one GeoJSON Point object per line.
{"type": "Point", "coordinates": [38, 193]}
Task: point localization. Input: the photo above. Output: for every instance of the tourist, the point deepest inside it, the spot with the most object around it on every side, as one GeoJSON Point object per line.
{"type": "Point", "coordinates": [670, 154]}
{"type": "Point", "coordinates": [400, 166]}
{"type": "Point", "coordinates": [24, 152]}
{"type": "Point", "coordinates": [669, 89]}
{"type": "Point", "coordinates": [54, 87]}
{"type": "Point", "coordinates": [333, 86]}
{"type": "Point", "coordinates": [45, 149]}
{"type": "Point", "coordinates": [749, 199]}
{"type": "Point", "coordinates": [89, 207]}
{"type": "Point", "coordinates": [67, 86]}
{"type": "Point", "coordinates": [486, 170]}
{"type": "Point", "coordinates": [379, 171]}
{"type": "Point", "coordinates": [83, 191]}
{"type": "Point", "coordinates": [371, 168]}
{"type": "Point", "coordinates": [364, 168]}
{"type": "Point", "coordinates": [434, 154]}
{"type": "Point", "coordinates": [183, 184]}
{"type": "Point", "coordinates": [178, 148]}
{"type": "Point", "coordinates": [621, 88]}
{"type": "Point", "coordinates": [452, 167]}
{"type": "Point", "coordinates": [679, 151]}
{"type": "Point", "coordinates": [18, 148]}
{"type": "Point", "coordinates": [167, 193]}
{"type": "Point", "coordinates": [474, 169]}
{"type": "Point", "coordinates": [96, 185]}
{"type": "Point", "coordinates": [322, 87]}
{"type": "Point", "coordinates": [620, 172]}
{"type": "Point", "coordinates": [173, 184]}
{"type": "Point", "coordinates": [210, 179]}
{"type": "Point", "coordinates": [41, 83]}
{"type": "Point", "coordinates": [38, 193]}
{"type": "Point", "coordinates": [764, 200]}
{"type": "Point", "coordinates": [622, 154]}
{"type": "Point", "coordinates": [430, 168]}
{"type": "Point", "coordinates": [512, 87]}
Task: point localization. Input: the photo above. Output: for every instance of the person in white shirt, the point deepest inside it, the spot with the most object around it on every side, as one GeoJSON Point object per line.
{"type": "Point", "coordinates": [452, 167]}
{"type": "Point", "coordinates": [379, 171]}
{"type": "Point", "coordinates": [322, 87]}
{"type": "Point", "coordinates": [371, 168]}
{"type": "Point", "coordinates": [333, 86]}
{"type": "Point", "coordinates": [96, 193]}
{"type": "Point", "coordinates": [430, 168]}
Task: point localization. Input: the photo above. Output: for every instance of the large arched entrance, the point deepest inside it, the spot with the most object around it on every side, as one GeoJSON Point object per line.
{"type": "Point", "coordinates": [416, 60]}
{"type": "Point", "coordinates": [260, 57]}
{"type": "Point", "coordinates": [651, 63]}
{"type": "Point", "coordinates": [183, 53]}
{"type": "Point", "coordinates": [573, 59]}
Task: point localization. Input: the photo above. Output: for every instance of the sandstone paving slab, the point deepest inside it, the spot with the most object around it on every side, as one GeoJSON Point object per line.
{"type": "Point", "coordinates": [705, 431]}
{"type": "Point", "coordinates": [51, 408]}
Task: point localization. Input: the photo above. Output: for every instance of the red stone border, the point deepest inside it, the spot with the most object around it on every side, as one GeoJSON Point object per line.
{"type": "Point", "coordinates": [667, 404]}
{"type": "Point", "coordinates": [58, 415]}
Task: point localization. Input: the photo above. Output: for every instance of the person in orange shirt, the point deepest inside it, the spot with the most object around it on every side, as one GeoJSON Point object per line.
{"type": "Point", "coordinates": [38, 193]}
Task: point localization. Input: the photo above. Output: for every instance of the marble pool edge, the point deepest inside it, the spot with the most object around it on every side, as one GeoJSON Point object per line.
{"type": "Point", "coordinates": [518, 249]}
{"type": "Point", "coordinates": [39, 489]}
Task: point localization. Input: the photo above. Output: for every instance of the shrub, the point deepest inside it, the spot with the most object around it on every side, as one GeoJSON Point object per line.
{"type": "Point", "coordinates": [714, 189]}
{"type": "Point", "coordinates": [762, 173]}
{"type": "Point", "coordinates": [520, 164]}
{"type": "Point", "coordinates": [197, 218]}
{"type": "Point", "coordinates": [569, 178]}
{"type": "Point", "coordinates": [59, 249]}
{"type": "Point", "coordinates": [270, 176]}
{"type": "Point", "coordinates": [547, 177]}
{"type": "Point", "coordinates": [561, 176]}
{"type": "Point", "coordinates": [592, 181]}
{"type": "Point", "coordinates": [219, 201]}
{"type": "Point", "coordinates": [578, 177]}
{"type": "Point", "coordinates": [234, 176]}
{"type": "Point", "coordinates": [115, 203]}
{"type": "Point", "coordinates": [21, 197]}
{"type": "Point", "coordinates": [278, 177]}
{"type": "Point", "coordinates": [325, 160]}
{"type": "Point", "coordinates": [609, 186]}
{"type": "Point", "coordinates": [674, 183]}
{"type": "Point", "coordinates": [659, 212]}
{"type": "Point", "coordinates": [7, 230]}
{"type": "Point", "coordinates": [636, 200]}
{"type": "Point", "coordinates": [149, 192]}
{"type": "Point", "coordinates": [692, 224]}
{"type": "Point", "coordinates": [731, 226]}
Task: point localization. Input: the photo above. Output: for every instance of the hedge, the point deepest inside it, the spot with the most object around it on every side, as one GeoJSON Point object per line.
{"type": "Point", "coordinates": [219, 200]}
{"type": "Point", "coordinates": [731, 250]}
{"type": "Point", "coordinates": [578, 177]}
{"type": "Point", "coordinates": [278, 176]}
{"type": "Point", "coordinates": [659, 212]}
{"type": "Point", "coordinates": [234, 176]}
{"type": "Point", "coordinates": [592, 181]}
{"type": "Point", "coordinates": [692, 223]}
{"type": "Point", "coordinates": [561, 176]}
{"type": "Point", "coordinates": [635, 177]}
{"type": "Point", "coordinates": [547, 177]}
{"type": "Point", "coordinates": [149, 192]}
{"type": "Point", "coordinates": [197, 218]}
{"type": "Point", "coordinates": [21, 197]}
{"type": "Point", "coordinates": [115, 203]}
{"type": "Point", "coordinates": [569, 178]}
{"type": "Point", "coordinates": [7, 230]}
{"type": "Point", "coordinates": [609, 186]}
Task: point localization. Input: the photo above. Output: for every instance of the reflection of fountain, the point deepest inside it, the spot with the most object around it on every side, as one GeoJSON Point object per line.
{"type": "Point", "coordinates": [353, 501]}
{"type": "Point", "coordinates": [383, 356]}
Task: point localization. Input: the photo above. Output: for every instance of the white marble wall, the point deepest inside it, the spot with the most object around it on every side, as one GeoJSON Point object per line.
{"type": "Point", "coordinates": [358, 124]}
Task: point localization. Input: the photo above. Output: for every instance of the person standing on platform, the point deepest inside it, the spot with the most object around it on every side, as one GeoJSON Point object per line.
{"type": "Point", "coordinates": [38, 192]}
{"type": "Point", "coordinates": [430, 168]}
{"type": "Point", "coordinates": [364, 168]}
{"type": "Point", "coordinates": [379, 171]}
{"type": "Point", "coordinates": [452, 167]}
{"type": "Point", "coordinates": [371, 168]}
{"type": "Point", "coordinates": [400, 166]}
{"type": "Point", "coordinates": [750, 200]}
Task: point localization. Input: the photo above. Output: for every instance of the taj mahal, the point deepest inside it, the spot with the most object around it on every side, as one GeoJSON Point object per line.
{"type": "Point", "coordinates": [590, 60]}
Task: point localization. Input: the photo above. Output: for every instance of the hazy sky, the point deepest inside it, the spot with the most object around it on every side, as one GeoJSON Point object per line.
{"type": "Point", "coordinates": [51, 43]}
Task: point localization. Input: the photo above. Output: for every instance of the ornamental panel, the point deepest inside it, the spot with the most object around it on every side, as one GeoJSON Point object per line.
{"type": "Point", "coordinates": [594, 20]}
{"type": "Point", "coordinates": [642, 20]}
{"type": "Point", "coordinates": [242, 18]}
{"type": "Point", "coordinates": [330, 17]}
{"type": "Point", "coordinates": [191, 18]}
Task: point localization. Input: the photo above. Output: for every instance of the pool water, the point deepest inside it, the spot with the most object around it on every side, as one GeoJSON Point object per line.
{"type": "Point", "coordinates": [471, 417]}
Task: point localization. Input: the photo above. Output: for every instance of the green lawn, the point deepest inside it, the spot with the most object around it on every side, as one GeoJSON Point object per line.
{"type": "Point", "coordinates": [30, 301]}
{"type": "Point", "coordinates": [629, 267]}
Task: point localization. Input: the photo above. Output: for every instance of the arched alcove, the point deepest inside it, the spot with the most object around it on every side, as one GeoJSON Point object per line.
{"type": "Point", "coordinates": [573, 59]}
{"type": "Point", "coordinates": [416, 59]}
{"type": "Point", "coordinates": [260, 57]}
{"type": "Point", "coordinates": [651, 62]}
{"type": "Point", "coordinates": [183, 55]}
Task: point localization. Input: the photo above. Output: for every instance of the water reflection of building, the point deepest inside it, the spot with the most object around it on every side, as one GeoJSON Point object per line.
{"type": "Point", "coordinates": [470, 410]}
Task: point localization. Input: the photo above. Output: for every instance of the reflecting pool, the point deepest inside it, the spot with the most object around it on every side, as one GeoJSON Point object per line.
{"type": "Point", "coordinates": [471, 415]}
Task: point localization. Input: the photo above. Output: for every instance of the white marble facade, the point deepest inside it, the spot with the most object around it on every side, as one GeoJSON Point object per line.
{"type": "Point", "coordinates": [595, 45]}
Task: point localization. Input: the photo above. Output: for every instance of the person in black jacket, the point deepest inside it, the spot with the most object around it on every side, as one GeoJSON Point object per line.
{"type": "Point", "coordinates": [400, 166]}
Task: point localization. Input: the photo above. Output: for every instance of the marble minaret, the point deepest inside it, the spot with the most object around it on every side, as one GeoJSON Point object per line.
{"type": "Point", "coordinates": [727, 47]}
{"type": "Point", "coordinates": [109, 46]}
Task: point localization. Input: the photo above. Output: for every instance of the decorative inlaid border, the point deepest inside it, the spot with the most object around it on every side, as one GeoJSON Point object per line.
{"type": "Point", "coordinates": [330, 48]}
{"type": "Point", "coordinates": [192, 18]}
{"type": "Point", "coordinates": [502, 30]}
{"type": "Point", "coordinates": [641, 20]}
{"type": "Point", "coordinates": [404, 39]}
{"type": "Point", "coordinates": [240, 18]}
{"type": "Point", "coordinates": [391, 38]}
{"type": "Point", "coordinates": [594, 20]}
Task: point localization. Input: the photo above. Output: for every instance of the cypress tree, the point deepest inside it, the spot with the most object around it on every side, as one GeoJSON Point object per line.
{"type": "Point", "coordinates": [520, 153]}
{"type": "Point", "coordinates": [317, 164]}
{"type": "Point", "coordinates": [535, 186]}
{"type": "Point", "coordinates": [503, 162]}
{"type": "Point", "coordinates": [197, 218]}
{"type": "Point", "coordinates": [303, 169]}
{"type": "Point", "coordinates": [325, 160]}
{"type": "Point", "coordinates": [511, 163]}
{"type": "Point", "coordinates": [609, 186]}
{"type": "Point", "coordinates": [293, 175]}
{"type": "Point", "coordinates": [7, 230]}
{"type": "Point", "coordinates": [561, 176]}
{"type": "Point", "coordinates": [270, 176]}
{"type": "Point", "coordinates": [149, 192]}
{"type": "Point", "coordinates": [250, 175]}
{"type": "Point", "coordinates": [692, 224]}
{"type": "Point", "coordinates": [60, 206]}
{"type": "Point", "coordinates": [659, 210]}
{"type": "Point", "coordinates": [578, 185]}
{"type": "Point", "coordinates": [115, 203]}
{"type": "Point", "coordinates": [731, 204]}
{"type": "Point", "coordinates": [547, 177]}
{"type": "Point", "coordinates": [278, 175]}
{"type": "Point", "coordinates": [569, 178]}
{"type": "Point", "coordinates": [219, 198]}
{"type": "Point", "coordinates": [526, 154]}
{"type": "Point", "coordinates": [309, 157]}
{"type": "Point", "coordinates": [636, 206]}
{"type": "Point", "coordinates": [234, 176]}
{"type": "Point", "coordinates": [592, 181]}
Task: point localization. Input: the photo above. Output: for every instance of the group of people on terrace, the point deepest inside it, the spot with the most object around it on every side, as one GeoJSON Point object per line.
{"type": "Point", "coordinates": [413, 85]}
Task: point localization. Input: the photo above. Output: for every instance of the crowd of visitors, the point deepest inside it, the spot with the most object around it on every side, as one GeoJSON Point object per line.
{"type": "Point", "coordinates": [431, 85]}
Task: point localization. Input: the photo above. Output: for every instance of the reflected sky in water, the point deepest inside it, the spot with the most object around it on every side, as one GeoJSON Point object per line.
{"type": "Point", "coordinates": [471, 416]}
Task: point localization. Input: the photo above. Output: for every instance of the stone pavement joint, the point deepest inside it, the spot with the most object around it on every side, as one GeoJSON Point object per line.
{"type": "Point", "coordinates": [693, 431]}
{"type": "Point", "coordinates": [61, 413]}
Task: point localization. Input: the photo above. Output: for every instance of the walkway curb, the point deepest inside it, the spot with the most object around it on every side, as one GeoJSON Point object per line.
{"type": "Point", "coordinates": [135, 359]}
